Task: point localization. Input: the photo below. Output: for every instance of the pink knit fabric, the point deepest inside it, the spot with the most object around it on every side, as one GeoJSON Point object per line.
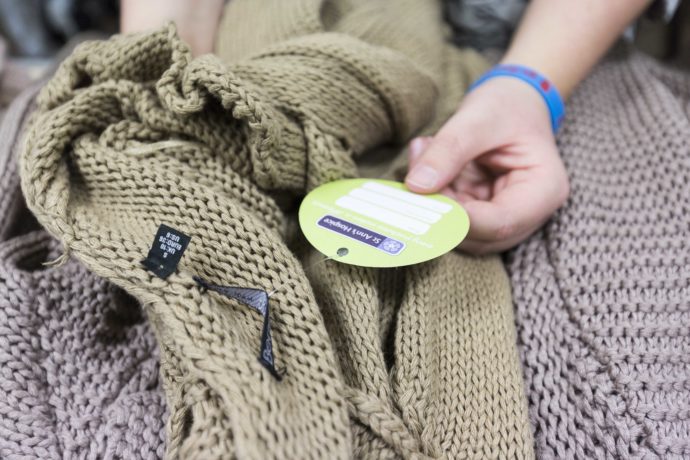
{"type": "Point", "coordinates": [78, 361]}
{"type": "Point", "coordinates": [603, 292]}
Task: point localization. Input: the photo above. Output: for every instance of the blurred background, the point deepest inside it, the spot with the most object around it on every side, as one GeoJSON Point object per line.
{"type": "Point", "coordinates": [32, 33]}
{"type": "Point", "coordinates": [35, 34]}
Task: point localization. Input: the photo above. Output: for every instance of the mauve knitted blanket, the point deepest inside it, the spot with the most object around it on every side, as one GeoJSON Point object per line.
{"type": "Point", "coordinates": [78, 362]}
{"type": "Point", "coordinates": [131, 133]}
{"type": "Point", "coordinates": [603, 291]}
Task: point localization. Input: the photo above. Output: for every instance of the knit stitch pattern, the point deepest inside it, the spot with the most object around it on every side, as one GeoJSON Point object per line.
{"type": "Point", "coordinates": [417, 362]}
{"type": "Point", "coordinates": [602, 293]}
{"type": "Point", "coordinates": [78, 362]}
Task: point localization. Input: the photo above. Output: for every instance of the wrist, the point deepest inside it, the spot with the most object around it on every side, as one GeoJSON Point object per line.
{"type": "Point", "coordinates": [543, 67]}
{"type": "Point", "coordinates": [539, 83]}
{"type": "Point", "coordinates": [510, 107]}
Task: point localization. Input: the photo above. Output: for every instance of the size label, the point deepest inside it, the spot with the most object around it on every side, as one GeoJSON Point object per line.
{"type": "Point", "coordinates": [166, 251]}
{"type": "Point", "coordinates": [380, 223]}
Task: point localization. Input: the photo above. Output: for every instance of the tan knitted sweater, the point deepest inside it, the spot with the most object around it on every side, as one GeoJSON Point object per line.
{"type": "Point", "coordinates": [131, 133]}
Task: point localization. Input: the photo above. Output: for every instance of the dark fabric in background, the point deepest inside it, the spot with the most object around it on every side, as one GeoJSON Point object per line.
{"type": "Point", "coordinates": [39, 28]}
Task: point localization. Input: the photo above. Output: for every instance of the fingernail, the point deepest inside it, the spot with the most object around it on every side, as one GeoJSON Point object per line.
{"type": "Point", "coordinates": [416, 147]}
{"type": "Point", "coordinates": [422, 176]}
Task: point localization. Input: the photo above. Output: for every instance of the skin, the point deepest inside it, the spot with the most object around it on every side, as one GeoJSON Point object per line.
{"type": "Point", "coordinates": [497, 155]}
{"type": "Point", "coordinates": [196, 20]}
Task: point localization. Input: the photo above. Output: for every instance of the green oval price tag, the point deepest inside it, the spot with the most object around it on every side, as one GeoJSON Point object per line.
{"type": "Point", "coordinates": [379, 223]}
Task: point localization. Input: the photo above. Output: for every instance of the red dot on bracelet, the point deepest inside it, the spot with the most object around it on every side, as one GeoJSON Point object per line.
{"type": "Point", "coordinates": [545, 85]}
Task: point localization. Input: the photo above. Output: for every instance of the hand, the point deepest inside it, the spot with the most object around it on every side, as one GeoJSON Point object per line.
{"type": "Point", "coordinates": [496, 156]}
{"type": "Point", "coordinates": [196, 20]}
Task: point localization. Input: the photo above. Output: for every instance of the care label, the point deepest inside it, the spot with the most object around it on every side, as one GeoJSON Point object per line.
{"type": "Point", "coordinates": [379, 223]}
{"type": "Point", "coordinates": [166, 251]}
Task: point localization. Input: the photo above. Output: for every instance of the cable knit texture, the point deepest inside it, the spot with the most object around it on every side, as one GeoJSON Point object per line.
{"type": "Point", "coordinates": [419, 362]}
{"type": "Point", "coordinates": [602, 293]}
{"type": "Point", "coordinates": [78, 362]}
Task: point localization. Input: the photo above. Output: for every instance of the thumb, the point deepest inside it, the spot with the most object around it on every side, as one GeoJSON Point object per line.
{"type": "Point", "coordinates": [457, 143]}
{"type": "Point", "coordinates": [417, 146]}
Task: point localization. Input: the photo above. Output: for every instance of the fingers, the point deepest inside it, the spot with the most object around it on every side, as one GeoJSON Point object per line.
{"type": "Point", "coordinates": [528, 198]}
{"type": "Point", "coordinates": [417, 147]}
{"type": "Point", "coordinates": [474, 183]}
{"type": "Point", "coordinates": [459, 141]}
{"type": "Point", "coordinates": [501, 165]}
{"type": "Point", "coordinates": [481, 248]}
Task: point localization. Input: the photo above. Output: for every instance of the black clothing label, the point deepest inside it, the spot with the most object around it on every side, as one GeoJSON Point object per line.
{"type": "Point", "coordinates": [166, 251]}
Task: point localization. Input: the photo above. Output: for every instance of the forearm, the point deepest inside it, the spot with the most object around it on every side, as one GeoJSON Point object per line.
{"type": "Point", "coordinates": [563, 39]}
{"type": "Point", "coordinates": [197, 20]}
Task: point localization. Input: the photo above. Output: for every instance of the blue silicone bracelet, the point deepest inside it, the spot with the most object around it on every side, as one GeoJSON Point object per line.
{"type": "Point", "coordinates": [547, 90]}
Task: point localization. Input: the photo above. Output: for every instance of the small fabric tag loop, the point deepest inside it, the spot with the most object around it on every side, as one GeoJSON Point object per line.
{"type": "Point", "coordinates": [257, 300]}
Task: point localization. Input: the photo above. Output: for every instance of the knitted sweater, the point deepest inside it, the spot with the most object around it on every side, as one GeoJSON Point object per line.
{"type": "Point", "coordinates": [602, 293]}
{"type": "Point", "coordinates": [78, 361]}
{"type": "Point", "coordinates": [417, 362]}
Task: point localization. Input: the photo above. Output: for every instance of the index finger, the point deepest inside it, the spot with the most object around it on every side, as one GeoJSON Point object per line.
{"type": "Point", "coordinates": [527, 200]}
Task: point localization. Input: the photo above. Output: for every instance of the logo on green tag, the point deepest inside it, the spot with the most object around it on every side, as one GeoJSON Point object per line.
{"type": "Point", "coordinates": [378, 223]}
